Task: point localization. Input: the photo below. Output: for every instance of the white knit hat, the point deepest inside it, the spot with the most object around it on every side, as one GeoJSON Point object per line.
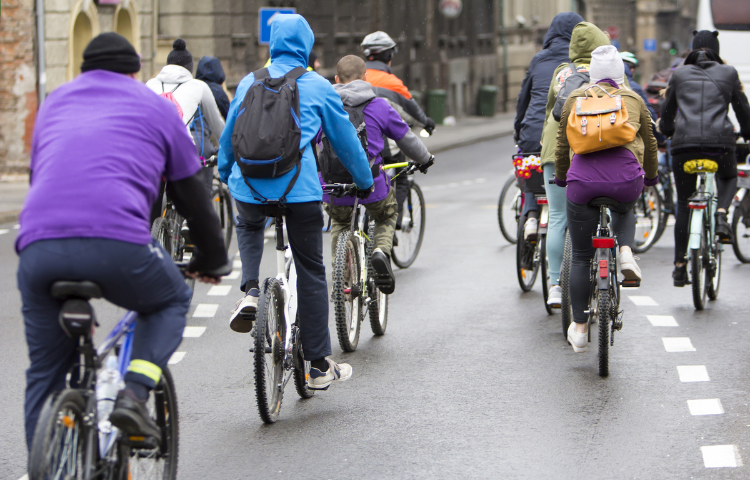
{"type": "Point", "coordinates": [606, 63]}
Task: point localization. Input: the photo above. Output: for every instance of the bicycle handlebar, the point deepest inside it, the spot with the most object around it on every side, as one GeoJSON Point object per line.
{"type": "Point", "coordinates": [339, 189]}
{"type": "Point", "coordinates": [211, 161]}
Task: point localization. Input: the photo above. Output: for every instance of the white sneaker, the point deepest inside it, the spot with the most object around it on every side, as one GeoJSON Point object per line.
{"type": "Point", "coordinates": [554, 299]}
{"type": "Point", "coordinates": [242, 317]}
{"type": "Point", "coordinates": [628, 267]}
{"type": "Point", "coordinates": [337, 372]}
{"type": "Point", "coordinates": [579, 341]}
{"type": "Point", "coordinates": [530, 228]}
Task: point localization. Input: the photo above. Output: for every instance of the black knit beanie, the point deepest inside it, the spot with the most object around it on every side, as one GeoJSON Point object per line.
{"type": "Point", "coordinates": [706, 39]}
{"type": "Point", "coordinates": [180, 55]}
{"type": "Point", "coordinates": [112, 52]}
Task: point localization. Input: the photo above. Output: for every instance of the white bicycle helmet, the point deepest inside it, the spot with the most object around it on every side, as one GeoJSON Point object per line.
{"type": "Point", "coordinates": [377, 42]}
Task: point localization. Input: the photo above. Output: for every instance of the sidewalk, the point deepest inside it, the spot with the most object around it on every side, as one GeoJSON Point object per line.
{"type": "Point", "coordinates": [467, 131]}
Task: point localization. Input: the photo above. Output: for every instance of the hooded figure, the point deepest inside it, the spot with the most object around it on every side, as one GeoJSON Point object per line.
{"type": "Point", "coordinates": [210, 71]}
{"type": "Point", "coordinates": [532, 99]}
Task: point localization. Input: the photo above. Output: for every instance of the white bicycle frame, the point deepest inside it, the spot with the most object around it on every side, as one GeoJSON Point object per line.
{"type": "Point", "coordinates": [286, 273]}
{"type": "Point", "coordinates": [706, 180]}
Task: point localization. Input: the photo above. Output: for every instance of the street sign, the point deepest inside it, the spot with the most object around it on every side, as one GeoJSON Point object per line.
{"type": "Point", "coordinates": [615, 43]}
{"type": "Point", "coordinates": [614, 32]}
{"type": "Point", "coordinates": [649, 44]}
{"type": "Point", "coordinates": [450, 8]}
{"type": "Point", "coordinates": [265, 17]}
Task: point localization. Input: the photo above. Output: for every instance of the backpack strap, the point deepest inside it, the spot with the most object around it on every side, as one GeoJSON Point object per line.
{"type": "Point", "coordinates": [712, 79]}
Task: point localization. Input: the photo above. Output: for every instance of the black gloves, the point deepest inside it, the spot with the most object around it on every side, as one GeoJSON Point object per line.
{"type": "Point", "coordinates": [429, 125]}
{"type": "Point", "coordinates": [423, 168]}
{"type": "Point", "coordinates": [516, 136]}
{"type": "Point", "coordinates": [363, 194]}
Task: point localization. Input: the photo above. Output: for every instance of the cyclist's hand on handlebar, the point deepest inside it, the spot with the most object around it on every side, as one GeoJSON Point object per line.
{"type": "Point", "coordinates": [430, 162]}
{"type": "Point", "coordinates": [363, 194]}
{"type": "Point", "coordinates": [429, 125]}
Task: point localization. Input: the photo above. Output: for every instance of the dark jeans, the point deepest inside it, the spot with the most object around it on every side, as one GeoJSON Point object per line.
{"type": "Point", "coordinates": [684, 183]}
{"type": "Point", "coordinates": [141, 278]}
{"type": "Point", "coordinates": [304, 226]}
{"type": "Point", "coordinates": [582, 222]}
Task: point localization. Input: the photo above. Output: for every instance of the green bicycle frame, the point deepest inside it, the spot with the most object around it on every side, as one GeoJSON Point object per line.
{"type": "Point", "coordinates": [705, 184]}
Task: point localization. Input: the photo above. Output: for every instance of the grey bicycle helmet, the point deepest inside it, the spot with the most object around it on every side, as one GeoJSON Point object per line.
{"type": "Point", "coordinates": [377, 42]}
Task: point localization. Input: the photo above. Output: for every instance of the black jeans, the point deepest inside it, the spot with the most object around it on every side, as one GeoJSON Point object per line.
{"type": "Point", "coordinates": [582, 222]}
{"type": "Point", "coordinates": [684, 183]}
{"type": "Point", "coordinates": [304, 226]}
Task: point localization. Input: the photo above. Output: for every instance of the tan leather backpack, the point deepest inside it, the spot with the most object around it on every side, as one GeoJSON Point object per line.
{"type": "Point", "coordinates": [598, 123]}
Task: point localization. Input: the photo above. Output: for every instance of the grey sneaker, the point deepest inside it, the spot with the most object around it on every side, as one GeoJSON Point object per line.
{"type": "Point", "coordinates": [337, 372]}
{"type": "Point", "coordinates": [242, 317]}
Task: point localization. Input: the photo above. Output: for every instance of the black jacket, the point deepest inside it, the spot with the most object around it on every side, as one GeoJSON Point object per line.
{"type": "Point", "coordinates": [532, 100]}
{"type": "Point", "coordinates": [409, 105]}
{"type": "Point", "coordinates": [695, 110]}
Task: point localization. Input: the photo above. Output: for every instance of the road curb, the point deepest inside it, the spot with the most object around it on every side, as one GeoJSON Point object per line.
{"type": "Point", "coordinates": [470, 141]}
{"type": "Point", "coordinates": [9, 217]}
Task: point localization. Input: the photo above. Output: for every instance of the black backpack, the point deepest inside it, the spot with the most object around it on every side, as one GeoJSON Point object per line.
{"type": "Point", "coordinates": [331, 168]}
{"type": "Point", "coordinates": [267, 131]}
{"type": "Point", "coordinates": [571, 83]}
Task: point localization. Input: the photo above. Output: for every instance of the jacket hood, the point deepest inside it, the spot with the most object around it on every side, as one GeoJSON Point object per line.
{"type": "Point", "coordinates": [174, 74]}
{"type": "Point", "coordinates": [586, 37]}
{"type": "Point", "coordinates": [355, 93]}
{"type": "Point", "coordinates": [292, 39]}
{"type": "Point", "coordinates": [561, 27]}
{"type": "Point", "coordinates": [210, 70]}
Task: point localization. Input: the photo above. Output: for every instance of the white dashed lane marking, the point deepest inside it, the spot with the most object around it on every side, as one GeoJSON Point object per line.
{"type": "Point", "coordinates": [710, 406]}
{"type": "Point", "coordinates": [4, 231]}
{"type": "Point", "coordinates": [16, 227]}
{"type": "Point", "coordinates": [678, 344]}
{"type": "Point", "coordinates": [205, 310]}
{"type": "Point", "coordinates": [721, 456]}
{"type": "Point", "coordinates": [193, 332]}
{"type": "Point", "coordinates": [693, 373]}
{"type": "Point", "coordinates": [643, 301]}
{"type": "Point", "coordinates": [233, 276]}
{"type": "Point", "coordinates": [176, 357]}
{"type": "Point", "coordinates": [662, 320]}
{"type": "Point", "coordinates": [220, 290]}
{"type": "Point", "coordinates": [25, 477]}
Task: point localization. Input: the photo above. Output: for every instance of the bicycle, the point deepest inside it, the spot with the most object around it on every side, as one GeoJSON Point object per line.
{"type": "Point", "coordinates": [741, 215]}
{"type": "Point", "coordinates": [411, 220]}
{"type": "Point", "coordinates": [69, 441]}
{"type": "Point", "coordinates": [651, 219]}
{"type": "Point", "coordinates": [704, 248]}
{"type": "Point", "coordinates": [509, 208]}
{"type": "Point", "coordinates": [222, 201]}
{"type": "Point", "coordinates": [277, 346]}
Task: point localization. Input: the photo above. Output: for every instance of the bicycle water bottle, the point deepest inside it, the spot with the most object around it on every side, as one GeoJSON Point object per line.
{"type": "Point", "coordinates": [108, 383]}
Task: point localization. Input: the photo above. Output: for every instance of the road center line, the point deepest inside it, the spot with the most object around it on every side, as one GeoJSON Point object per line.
{"type": "Point", "coordinates": [710, 406]}
{"type": "Point", "coordinates": [721, 456]}
{"type": "Point", "coordinates": [220, 290]}
{"type": "Point", "coordinates": [662, 320]}
{"type": "Point", "coordinates": [193, 332]}
{"type": "Point", "coordinates": [693, 373]}
{"type": "Point", "coordinates": [643, 300]}
{"type": "Point", "coordinates": [233, 276]}
{"type": "Point", "coordinates": [205, 310]}
{"type": "Point", "coordinates": [176, 357]}
{"type": "Point", "coordinates": [677, 344]}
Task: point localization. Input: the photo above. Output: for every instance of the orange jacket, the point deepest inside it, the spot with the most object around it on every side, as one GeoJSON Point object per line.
{"type": "Point", "coordinates": [379, 78]}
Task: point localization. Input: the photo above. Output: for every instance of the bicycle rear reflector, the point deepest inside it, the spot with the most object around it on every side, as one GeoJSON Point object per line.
{"type": "Point", "coordinates": [603, 242]}
{"type": "Point", "coordinates": [697, 205]}
{"type": "Point", "coordinates": [541, 201]}
{"type": "Point", "coordinates": [603, 270]}
{"type": "Point", "coordinates": [742, 173]}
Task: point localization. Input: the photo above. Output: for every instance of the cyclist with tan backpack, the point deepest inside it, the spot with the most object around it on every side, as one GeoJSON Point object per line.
{"type": "Point", "coordinates": [608, 128]}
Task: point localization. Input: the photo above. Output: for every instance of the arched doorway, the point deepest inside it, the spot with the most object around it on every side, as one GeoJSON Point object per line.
{"type": "Point", "coordinates": [84, 25]}
{"type": "Point", "coordinates": [124, 25]}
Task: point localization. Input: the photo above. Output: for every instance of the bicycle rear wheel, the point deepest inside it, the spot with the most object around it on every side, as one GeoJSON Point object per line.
{"type": "Point", "coordinates": [509, 209]}
{"type": "Point", "coordinates": [741, 230]}
{"type": "Point", "coordinates": [347, 292]}
{"type": "Point", "coordinates": [545, 273]}
{"type": "Point", "coordinates": [222, 201]}
{"type": "Point", "coordinates": [301, 371]}
{"type": "Point", "coordinates": [268, 350]}
{"type": "Point", "coordinates": [174, 223]}
{"type": "Point", "coordinates": [648, 214]}
{"type": "Point", "coordinates": [160, 462]}
{"type": "Point", "coordinates": [713, 273]}
{"type": "Point", "coordinates": [59, 446]}
{"type": "Point", "coordinates": [527, 261]}
{"type": "Point", "coordinates": [409, 237]}
{"type": "Point", "coordinates": [161, 232]}
{"type": "Point", "coordinates": [698, 271]}
{"type": "Point", "coordinates": [378, 308]}
{"type": "Point", "coordinates": [606, 310]}
{"type": "Point", "coordinates": [565, 305]}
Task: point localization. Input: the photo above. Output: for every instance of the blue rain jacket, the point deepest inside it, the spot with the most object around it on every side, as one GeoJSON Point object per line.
{"type": "Point", "coordinates": [320, 107]}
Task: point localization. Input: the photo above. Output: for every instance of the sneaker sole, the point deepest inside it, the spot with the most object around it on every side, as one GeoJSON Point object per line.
{"type": "Point", "coordinates": [129, 423]}
{"type": "Point", "coordinates": [629, 273]}
{"type": "Point", "coordinates": [243, 321]}
{"type": "Point", "coordinates": [577, 349]}
{"type": "Point", "coordinates": [328, 383]}
{"type": "Point", "coordinates": [383, 279]}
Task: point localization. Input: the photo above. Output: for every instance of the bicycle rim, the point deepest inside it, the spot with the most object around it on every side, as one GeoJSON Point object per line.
{"type": "Point", "coordinates": [268, 351]}
{"type": "Point", "coordinates": [565, 304]}
{"type": "Point", "coordinates": [412, 228]}
{"type": "Point", "coordinates": [648, 212]}
{"type": "Point", "coordinates": [509, 209]}
{"type": "Point", "coordinates": [741, 244]}
{"type": "Point", "coordinates": [347, 292]}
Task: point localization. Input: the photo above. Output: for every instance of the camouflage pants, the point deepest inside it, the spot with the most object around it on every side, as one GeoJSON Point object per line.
{"type": "Point", "coordinates": [384, 212]}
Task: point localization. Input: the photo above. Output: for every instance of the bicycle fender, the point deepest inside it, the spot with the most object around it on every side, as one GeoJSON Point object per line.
{"type": "Point", "coordinates": [602, 269]}
{"type": "Point", "coordinates": [696, 229]}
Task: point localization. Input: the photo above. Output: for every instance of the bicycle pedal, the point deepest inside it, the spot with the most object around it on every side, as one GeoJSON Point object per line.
{"type": "Point", "coordinates": [141, 442]}
{"type": "Point", "coordinates": [268, 350]}
{"type": "Point", "coordinates": [630, 283]}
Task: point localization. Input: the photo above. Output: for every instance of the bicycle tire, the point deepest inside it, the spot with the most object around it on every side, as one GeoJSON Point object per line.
{"type": "Point", "coordinates": [565, 305]}
{"type": "Point", "coordinates": [61, 421]}
{"type": "Point", "coordinates": [408, 247]}
{"type": "Point", "coordinates": [223, 206]}
{"type": "Point", "coordinates": [301, 371]}
{"type": "Point", "coordinates": [378, 308]}
{"type": "Point", "coordinates": [605, 319]}
{"type": "Point", "coordinates": [526, 255]}
{"type": "Point", "coordinates": [268, 350]}
{"type": "Point", "coordinates": [162, 461]}
{"type": "Point", "coordinates": [160, 231]}
{"type": "Point", "coordinates": [174, 223]}
{"type": "Point", "coordinates": [697, 273]}
{"type": "Point", "coordinates": [346, 275]}
{"type": "Point", "coordinates": [648, 212]}
{"type": "Point", "coordinates": [741, 244]}
{"type": "Point", "coordinates": [509, 232]}
{"type": "Point", "coordinates": [545, 273]}
{"type": "Point", "coordinates": [715, 272]}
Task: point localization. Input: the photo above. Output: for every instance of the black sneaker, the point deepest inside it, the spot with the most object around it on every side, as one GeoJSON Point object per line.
{"type": "Point", "coordinates": [384, 278]}
{"type": "Point", "coordinates": [723, 229]}
{"type": "Point", "coordinates": [680, 276]}
{"type": "Point", "coordinates": [131, 416]}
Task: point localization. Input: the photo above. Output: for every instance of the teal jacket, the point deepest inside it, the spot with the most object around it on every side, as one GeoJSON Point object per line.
{"type": "Point", "coordinates": [320, 107]}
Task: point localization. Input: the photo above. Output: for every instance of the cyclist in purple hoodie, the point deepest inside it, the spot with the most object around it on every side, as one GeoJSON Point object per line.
{"type": "Point", "coordinates": [381, 121]}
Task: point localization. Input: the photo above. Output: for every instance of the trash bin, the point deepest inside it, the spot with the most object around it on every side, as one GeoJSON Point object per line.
{"type": "Point", "coordinates": [486, 99]}
{"type": "Point", "coordinates": [436, 100]}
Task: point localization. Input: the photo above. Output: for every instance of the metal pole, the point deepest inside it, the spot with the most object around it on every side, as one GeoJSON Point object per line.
{"type": "Point", "coordinates": [504, 41]}
{"type": "Point", "coordinates": [41, 89]}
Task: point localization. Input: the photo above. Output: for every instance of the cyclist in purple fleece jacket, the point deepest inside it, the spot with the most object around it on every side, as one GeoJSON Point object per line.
{"type": "Point", "coordinates": [381, 121]}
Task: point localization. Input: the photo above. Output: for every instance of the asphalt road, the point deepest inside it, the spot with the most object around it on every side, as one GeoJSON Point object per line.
{"type": "Point", "coordinates": [472, 379]}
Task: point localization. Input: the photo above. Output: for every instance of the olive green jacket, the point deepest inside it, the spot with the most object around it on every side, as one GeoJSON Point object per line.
{"type": "Point", "coordinates": [643, 147]}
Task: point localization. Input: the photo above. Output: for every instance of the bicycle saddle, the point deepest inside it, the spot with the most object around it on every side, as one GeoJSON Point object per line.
{"type": "Point", "coordinates": [65, 289]}
{"type": "Point", "coordinates": [603, 201]}
{"type": "Point", "coordinates": [701, 165]}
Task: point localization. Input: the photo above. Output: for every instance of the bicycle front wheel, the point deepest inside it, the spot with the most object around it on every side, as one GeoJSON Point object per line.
{"type": "Point", "coordinates": [527, 261]}
{"type": "Point", "coordinates": [378, 308]}
{"type": "Point", "coordinates": [59, 446]}
{"type": "Point", "coordinates": [565, 306]}
{"type": "Point", "coordinates": [268, 350]}
{"type": "Point", "coordinates": [409, 237]}
{"type": "Point", "coordinates": [347, 292]}
{"type": "Point", "coordinates": [509, 209]}
{"type": "Point", "coordinates": [648, 217]}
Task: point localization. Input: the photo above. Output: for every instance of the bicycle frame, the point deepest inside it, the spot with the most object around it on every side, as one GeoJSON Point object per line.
{"type": "Point", "coordinates": [286, 273]}
{"type": "Point", "coordinates": [703, 199]}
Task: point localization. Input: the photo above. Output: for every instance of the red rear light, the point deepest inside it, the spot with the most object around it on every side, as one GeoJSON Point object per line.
{"type": "Point", "coordinates": [603, 242]}
{"type": "Point", "coordinates": [603, 270]}
{"type": "Point", "coordinates": [653, 100]}
{"type": "Point", "coordinates": [541, 201]}
{"type": "Point", "coordinates": [697, 206]}
{"type": "Point", "coordinates": [742, 173]}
